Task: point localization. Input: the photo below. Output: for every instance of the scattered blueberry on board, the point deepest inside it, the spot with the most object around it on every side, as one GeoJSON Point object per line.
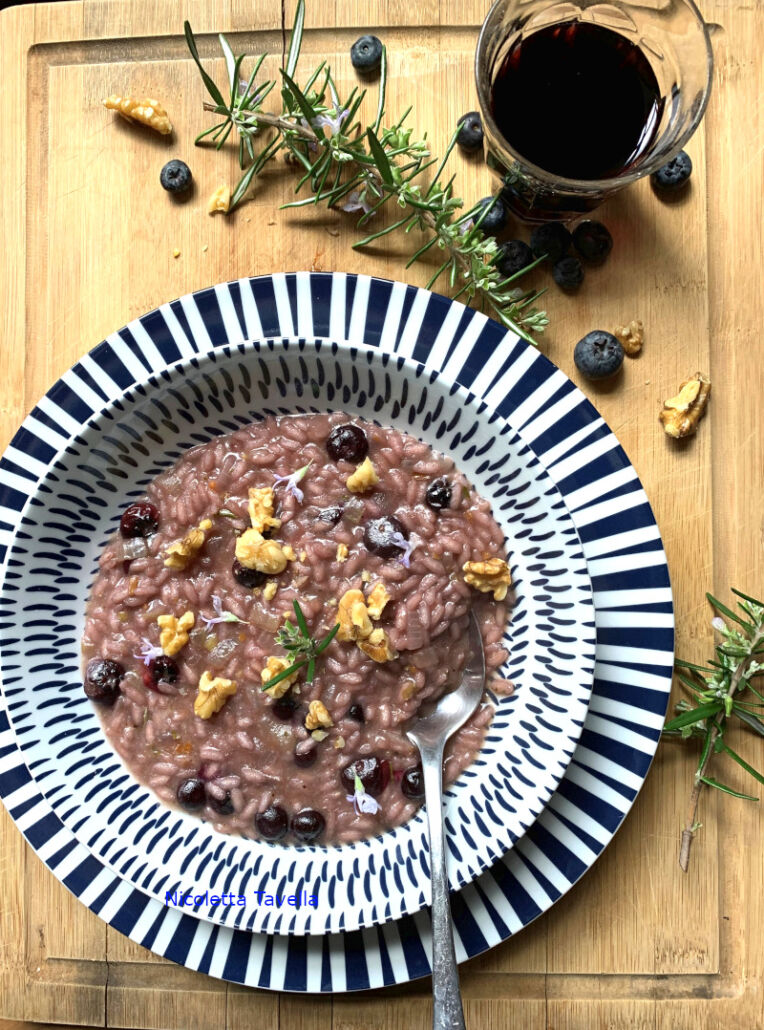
{"type": "Point", "coordinates": [470, 134]}
{"type": "Point", "coordinates": [495, 219]}
{"type": "Point", "coordinates": [366, 54]}
{"type": "Point", "coordinates": [593, 241]}
{"type": "Point", "coordinates": [512, 257]}
{"type": "Point", "coordinates": [175, 177]}
{"type": "Point", "coordinates": [568, 273]}
{"type": "Point", "coordinates": [674, 175]}
{"type": "Point", "coordinates": [551, 240]}
{"type": "Point", "coordinates": [598, 355]}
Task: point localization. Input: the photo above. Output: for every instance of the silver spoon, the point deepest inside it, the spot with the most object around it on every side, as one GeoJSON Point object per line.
{"type": "Point", "coordinates": [429, 733]}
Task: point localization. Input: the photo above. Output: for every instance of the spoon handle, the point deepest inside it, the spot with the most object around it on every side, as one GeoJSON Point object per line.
{"type": "Point", "coordinates": [447, 999]}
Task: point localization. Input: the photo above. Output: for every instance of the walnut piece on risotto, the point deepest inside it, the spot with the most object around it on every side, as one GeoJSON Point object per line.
{"type": "Point", "coordinates": [255, 552]}
{"type": "Point", "coordinates": [353, 617]}
{"type": "Point", "coordinates": [148, 112]}
{"type": "Point", "coordinates": [214, 691]}
{"type": "Point", "coordinates": [377, 646]}
{"type": "Point", "coordinates": [318, 717]}
{"type": "Point", "coordinates": [377, 599]}
{"type": "Point", "coordinates": [269, 590]}
{"type": "Point", "coordinates": [342, 552]}
{"type": "Point", "coordinates": [273, 666]}
{"type": "Point", "coordinates": [180, 553]}
{"type": "Point", "coordinates": [363, 479]}
{"type": "Point", "coordinates": [173, 633]}
{"type": "Point", "coordinates": [489, 576]}
{"type": "Point", "coordinates": [261, 504]}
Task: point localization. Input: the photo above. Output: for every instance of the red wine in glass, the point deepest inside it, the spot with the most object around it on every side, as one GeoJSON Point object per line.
{"type": "Point", "coordinates": [577, 100]}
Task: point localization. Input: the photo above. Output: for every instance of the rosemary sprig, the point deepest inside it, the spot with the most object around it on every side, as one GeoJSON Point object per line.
{"type": "Point", "coordinates": [361, 167]}
{"type": "Point", "coordinates": [720, 691]}
{"type": "Point", "coordinates": [302, 648]}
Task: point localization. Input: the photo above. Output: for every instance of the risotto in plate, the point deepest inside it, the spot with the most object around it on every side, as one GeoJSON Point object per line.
{"type": "Point", "coordinates": [276, 608]}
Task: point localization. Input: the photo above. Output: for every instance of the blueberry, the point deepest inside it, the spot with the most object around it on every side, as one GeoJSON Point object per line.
{"type": "Point", "coordinates": [175, 176]}
{"type": "Point", "coordinates": [272, 823]}
{"type": "Point", "coordinates": [512, 257]}
{"type": "Point", "coordinates": [191, 794]}
{"type": "Point", "coordinates": [284, 708]}
{"type": "Point", "coordinates": [568, 273]}
{"type": "Point", "coordinates": [304, 759]}
{"type": "Point", "coordinates": [161, 670]}
{"type": "Point", "coordinates": [366, 54]}
{"type": "Point", "coordinates": [598, 355]}
{"type": "Point", "coordinates": [378, 536]}
{"type": "Point", "coordinates": [355, 712]}
{"type": "Point", "coordinates": [495, 219]}
{"type": "Point", "coordinates": [222, 806]}
{"type": "Point", "coordinates": [347, 442]}
{"type": "Point", "coordinates": [470, 134]}
{"type": "Point", "coordinates": [551, 240]}
{"type": "Point", "coordinates": [249, 578]}
{"type": "Point", "coordinates": [308, 825]}
{"type": "Point", "coordinates": [673, 175]}
{"type": "Point", "coordinates": [373, 774]}
{"type": "Point", "coordinates": [412, 783]}
{"type": "Point", "coordinates": [438, 494]}
{"type": "Point", "coordinates": [139, 519]}
{"type": "Point", "coordinates": [102, 679]}
{"type": "Point", "coordinates": [593, 241]}
{"type": "Point", "coordinates": [331, 516]}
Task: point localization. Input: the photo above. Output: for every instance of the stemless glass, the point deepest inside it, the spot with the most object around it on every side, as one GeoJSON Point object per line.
{"type": "Point", "coordinates": [675, 40]}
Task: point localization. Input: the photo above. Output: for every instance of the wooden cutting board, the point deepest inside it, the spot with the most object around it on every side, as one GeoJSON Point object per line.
{"type": "Point", "coordinates": [88, 244]}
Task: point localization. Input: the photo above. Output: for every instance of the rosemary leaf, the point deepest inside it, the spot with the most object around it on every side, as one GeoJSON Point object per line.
{"type": "Point", "coordinates": [209, 82]}
{"type": "Point", "coordinates": [695, 715]}
{"type": "Point", "coordinates": [727, 790]}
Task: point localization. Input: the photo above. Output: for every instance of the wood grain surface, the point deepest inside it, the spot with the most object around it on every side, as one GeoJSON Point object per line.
{"type": "Point", "coordinates": [88, 240]}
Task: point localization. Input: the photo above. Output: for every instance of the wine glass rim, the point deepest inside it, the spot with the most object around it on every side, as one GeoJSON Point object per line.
{"type": "Point", "coordinates": [592, 185]}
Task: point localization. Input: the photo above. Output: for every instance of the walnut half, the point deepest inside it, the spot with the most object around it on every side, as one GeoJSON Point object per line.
{"type": "Point", "coordinates": [148, 112]}
{"type": "Point", "coordinates": [214, 691]}
{"type": "Point", "coordinates": [489, 576]}
{"type": "Point", "coordinates": [681, 414]}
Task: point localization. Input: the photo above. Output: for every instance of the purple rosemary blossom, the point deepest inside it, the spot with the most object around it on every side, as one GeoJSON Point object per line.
{"type": "Point", "coordinates": [356, 201]}
{"type": "Point", "coordinates": [362, 802]}
{"type": "Point", "coordinates": [148, 652]}
{"type": "Point", "coordinates": [405, 545]}
{"type": "Point", "coordinates": [221, 615]}
{"type": "Point", "coordinates": [243, 91]}
{"type": "Point", "coordinates": [464, 227]}
{"type": "Point", "coordinates": [292, 481]}
{"type": "Point", "coordinates": [332, 122]}
{"type": "Point", "coordinates": [718, 623]}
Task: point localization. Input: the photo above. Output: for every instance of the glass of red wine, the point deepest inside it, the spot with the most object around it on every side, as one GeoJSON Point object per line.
{"type": "Point", "coordinates": [580, 99]}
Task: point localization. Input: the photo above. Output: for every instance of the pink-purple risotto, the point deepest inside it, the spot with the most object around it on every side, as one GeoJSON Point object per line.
{"type": "Point", "coordinates": [277, 608]}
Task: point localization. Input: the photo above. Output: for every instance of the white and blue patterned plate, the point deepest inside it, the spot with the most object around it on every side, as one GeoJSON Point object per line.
{"type": "Point", "coordinates": [625, 560]}
{"type": "Point", "coordinates": [119, 447]}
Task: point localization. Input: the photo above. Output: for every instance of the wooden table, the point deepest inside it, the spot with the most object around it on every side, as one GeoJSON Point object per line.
{"type": "Point", "coordinates": [88, 244]}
